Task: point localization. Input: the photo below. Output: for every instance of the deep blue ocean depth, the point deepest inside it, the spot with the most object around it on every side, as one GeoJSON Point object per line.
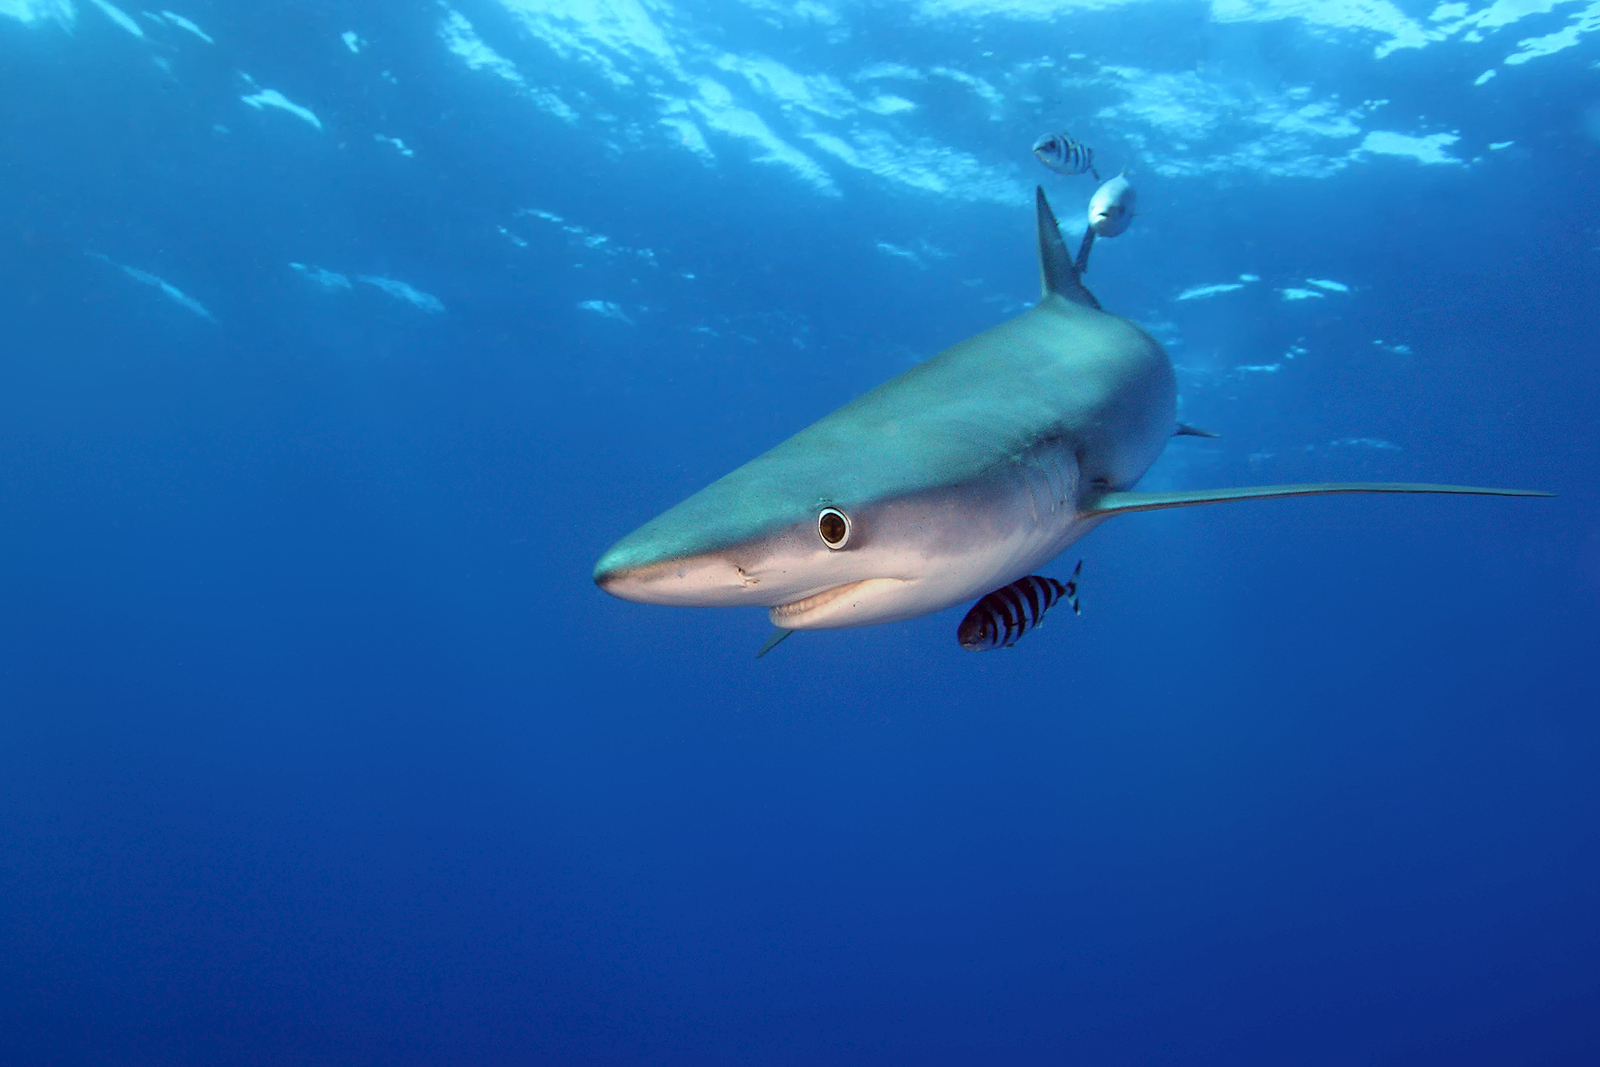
{"type": "Point", "coordinates": [341, 338]}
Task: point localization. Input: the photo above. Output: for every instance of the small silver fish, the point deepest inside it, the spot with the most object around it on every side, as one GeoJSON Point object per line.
{"type": "Point", "coordinates": [1003, 616]}
{"type": "Point", "coordinates": [1064, 155]}
{"type": "Point", "coordinates": [1112, 206]}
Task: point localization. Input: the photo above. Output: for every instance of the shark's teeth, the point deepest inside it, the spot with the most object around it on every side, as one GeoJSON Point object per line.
{"type": "Point", "coordinates": [814, 601]}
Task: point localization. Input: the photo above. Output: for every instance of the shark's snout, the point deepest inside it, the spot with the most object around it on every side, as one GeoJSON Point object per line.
{"type": "Point", "coordinates": [695, 581]}
{"type": "Point", "coordinates": [614, 578]}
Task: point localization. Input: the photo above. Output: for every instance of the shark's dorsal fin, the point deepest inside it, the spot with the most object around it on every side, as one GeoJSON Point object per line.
{"type": "Point", "coordinates": [1117, 503]}
{"type": "Point", "coordinates": [1057, 271]}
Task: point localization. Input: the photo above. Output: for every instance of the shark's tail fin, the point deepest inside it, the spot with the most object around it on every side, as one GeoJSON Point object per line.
{"type": "Point", "coordinates": [1057, 270]}
{"type": "Point", "coordinates": [1117, 503]}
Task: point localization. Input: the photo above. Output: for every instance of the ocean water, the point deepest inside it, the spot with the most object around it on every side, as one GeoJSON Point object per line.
{"type": "Point", "coordinates": [341, 338]}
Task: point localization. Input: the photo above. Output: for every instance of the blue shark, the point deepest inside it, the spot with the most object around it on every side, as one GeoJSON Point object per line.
{"type": "Point", "coordinates": [952, 480]}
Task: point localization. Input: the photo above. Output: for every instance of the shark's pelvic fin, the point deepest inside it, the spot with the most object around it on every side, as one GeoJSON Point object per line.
{"type": "Point", "coordinates": [774, 639]}
{"type": "Point", "coordinates": [1117, 503]}
{"type": "Point", "coordinates": [1057, 270]}
{"type": "Point", "coordinates": [1185, 430]}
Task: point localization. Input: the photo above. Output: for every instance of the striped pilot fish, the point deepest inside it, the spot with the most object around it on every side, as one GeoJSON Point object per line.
{"type": "Point", "coordinates": [1064, 155]}
{"type": "Point", "coordinates": [1003, 616]}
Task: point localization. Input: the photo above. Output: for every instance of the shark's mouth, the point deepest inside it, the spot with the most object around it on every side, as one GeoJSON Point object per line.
{"type": "Point", "coordinates": [841, 605]}
{"type": "Point", "coordinates": [815, 600]}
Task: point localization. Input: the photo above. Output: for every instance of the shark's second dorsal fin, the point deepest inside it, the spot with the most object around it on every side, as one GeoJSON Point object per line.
{"type": "Point", "coordinates": [1056, 269]}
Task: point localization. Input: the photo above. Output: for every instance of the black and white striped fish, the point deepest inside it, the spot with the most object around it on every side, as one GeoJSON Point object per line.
{"type": "Point", "coordinates": [1064, 155]}
{"type": "Point", "coordinates": [999, 619]}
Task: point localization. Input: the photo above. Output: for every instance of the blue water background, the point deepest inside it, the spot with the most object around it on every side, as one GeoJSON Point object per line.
{"type": "Point", "coordinates": [319, 746]}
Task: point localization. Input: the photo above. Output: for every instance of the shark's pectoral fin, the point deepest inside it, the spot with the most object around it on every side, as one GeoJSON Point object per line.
{"type": "Point", "coordinates": [1185, 430]}
{"type": "Point", "coordinates": [1057, 270]}
{"type": "Point", "coordinates": [1117, 503]}
{"type": "Point", "coordinates": [1081, 262]}
{"type": "Point", "coordinates": [774, 639]}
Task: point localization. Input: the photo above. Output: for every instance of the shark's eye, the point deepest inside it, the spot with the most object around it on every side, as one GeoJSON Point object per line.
{"type": "Point", "coordinates": [834, 527]}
